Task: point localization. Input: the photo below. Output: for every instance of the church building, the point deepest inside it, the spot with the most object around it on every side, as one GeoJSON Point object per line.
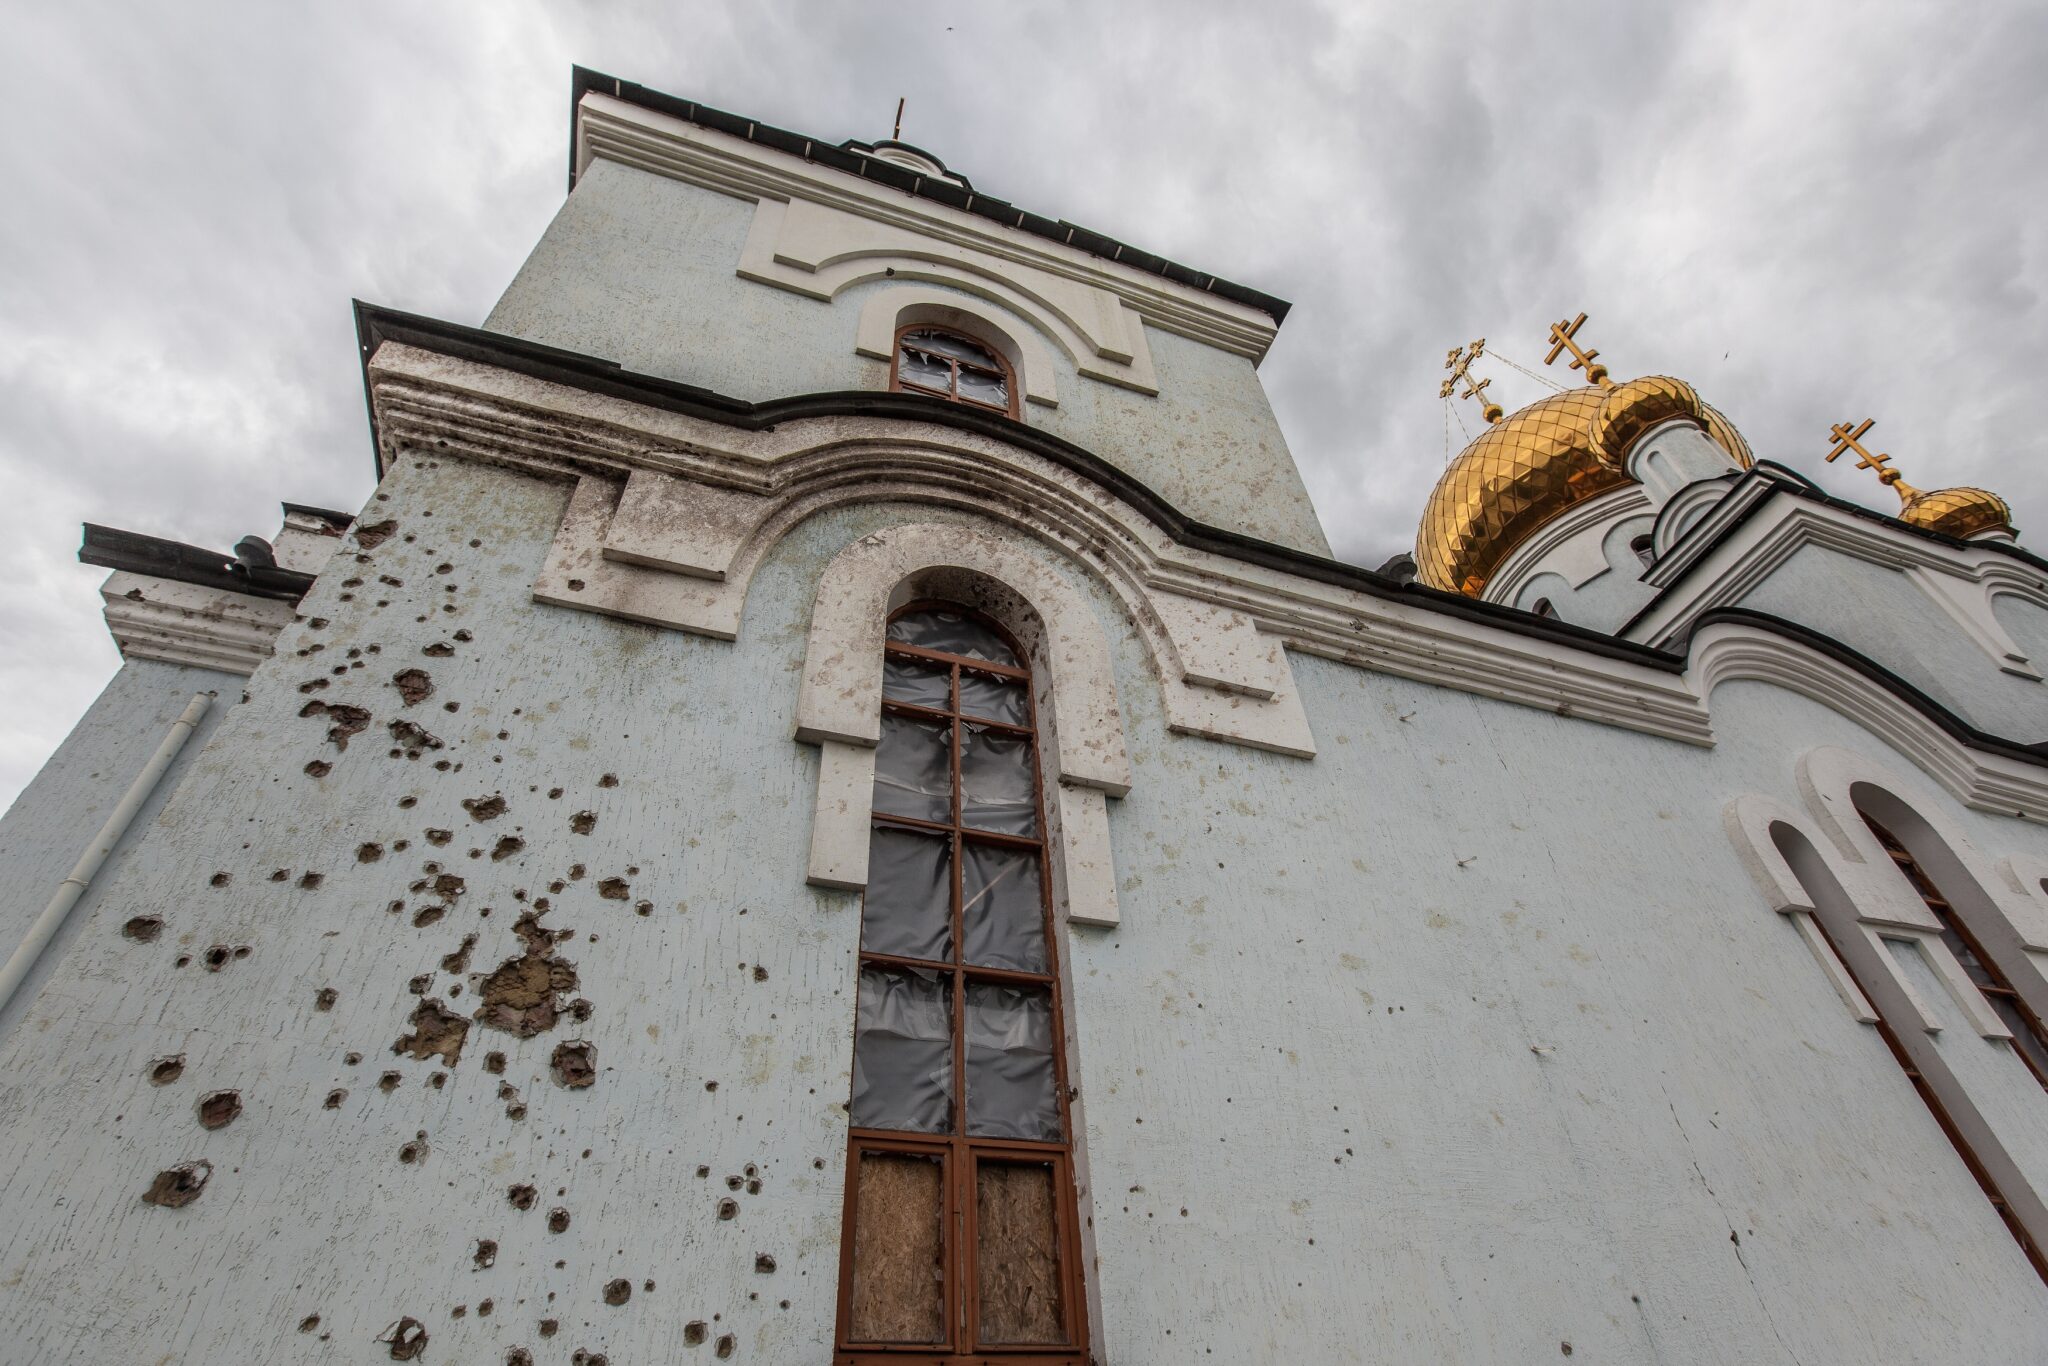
{"type": "Point", "coordinates": [834, 806]}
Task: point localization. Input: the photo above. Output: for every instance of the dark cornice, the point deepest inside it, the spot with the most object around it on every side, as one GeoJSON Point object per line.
{"type": "Point", "coordinates": [841, 157]}
{"type": "Point", "coordinates": [138, 554]}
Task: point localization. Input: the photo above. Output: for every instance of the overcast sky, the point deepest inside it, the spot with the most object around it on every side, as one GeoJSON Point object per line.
{"type": "Point", "coordinates": [1814, 212]}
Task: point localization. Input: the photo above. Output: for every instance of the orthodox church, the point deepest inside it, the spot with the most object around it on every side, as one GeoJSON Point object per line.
{"type": "Point", "coordinates": [834, 806]}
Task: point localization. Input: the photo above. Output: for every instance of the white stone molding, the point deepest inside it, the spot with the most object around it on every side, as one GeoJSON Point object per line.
{"type": "Point", "coordinates": [818, 252]}
{"type": "Point", "coordinates": [1188, 605]}
{"type": "Point", "coordinates": [618, 131]}
{"type": "Point", "coordinates": [1935, 952]}
{"type": "Point", "coordinates": [188, 623]}
{"type": "Point", "coordinates": [1571, 545]}
{"type": "Point", "coordinates": [839, 700]}
{"type": "Point", "coordinates": [1748, 820]}
{"type": "Point", "coordinates": [887, 312]}
{"type": "Point", "coordinates": [1962, 582]}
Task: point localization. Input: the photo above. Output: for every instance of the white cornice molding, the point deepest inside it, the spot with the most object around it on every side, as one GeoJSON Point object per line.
{"type": "Point", "coordinates": [186, 623]}
{"type": "Point", "coordinates": [1218, 630]}
{"type": "Point", "coordinates": [1538, 554]}
{"type": "Point", "coordinates": [661, 145]}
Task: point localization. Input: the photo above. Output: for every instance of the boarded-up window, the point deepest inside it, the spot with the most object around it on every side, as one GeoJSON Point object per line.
{"type": "Point", "coordinates": [961, 1232]}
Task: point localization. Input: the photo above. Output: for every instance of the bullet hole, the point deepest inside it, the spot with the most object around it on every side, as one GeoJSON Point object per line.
{"type": "Point", "coordinates": [426, 915]}
{"type": "Point", "coordinates": [281, 875]}
{"type": "Point", "coordinates": [219, 1109]}
{"type": "Point", "coordinates": [760, 973]}
{"type": "Point", "coordinates": [711, 1086]}
{"type": "Point", "coordinates": [183, 960]}
{"type": "Point", "coordinates": [374, 535]}
{"type": "Point", "coordinates": [414, 685]}
{"type": "Point", "coordinates": [143, 929]}
{"type": "Point", "coordinates": [614, 889]}
{"type": "Point", "coordinates": [486, 1253]}
{"type": "Point", "coordinates": [309, 1323]}
{"type": "Point", "coordinates": [583, 1358]}
{"type": "Point", "coordinates": [694, 1333]}
{"type": "Point", "coordinates": [311, 881]}
{"type": "Point", "coordinates": [388, 1082]}
{"type": "Point", "coordinates": [415, 1150]}
{"type": "Point", "coordinates": [463, 636]}
{"type": "Point", "coordinates": [506, 847]}
{"type": "Point", "coordinates": [728, 1209]}
{"type": "Point", "coordinates": [484, 808]}
{"type": "Point", "coordinates": [438, 1080]}
{"type": "Point", "coordinates": [575, 585]}
{"type": "Point", "coordinates": [216, 957]}
{"type": "Point", "coordinates": [558, 1220]}
{"type": "Point", "coordinates": [494, 1062]}
{"type": "Point", "coordinates": [436, 1031]}
{"type": "Point", "coordinates": [518, 1356]}
{"type": "Point", "coordinates": [438, 837]}
{"type": "Point", "coordinates": [764, 1264]}
{"type": "Point", "coordinates": [522, 995]}
{"type": "Point", "coordinates": [483, 1310]}
{"type": "Point", "coordinates": [420, 985]}
{"type": "Point", "coordinates": [733, 1183]}
{"type": "Point", "coordinates": [549, 1327]}
{"type": "Point", "coordinates": [369, 853]}
{"type": "Point", "coordinates": [412, 739]}
{"type": "Point", "coordinates": [448, 886]}
{"type": "Point", "coordinates": [458, 961]}
{"type": "Point", "coordinates": [390, 581]}
{"type": "Point", "coordinates": [703, 1172]}
{"type": "Point", "coordinates": [460, 1311]}
{"type": "Point", "coordinates": [440, 649]}
{"type": "Point", "coordinates": [754, 1186]}
{"type": "Point", "coordinates": [319, 768]}
{"type": "Point", "coordinates": [164, 1071]}
{"type": "Point", "coordinates": [1565, 1347]}
{"type": "Point", "coordinates": [576, 872]}
{"type": "Point", "coordinates": [347, 720]}
{"type": "Point", "coordinates": [726, 1344]}
{"type": "Point", "coordinates": [312, 685]}
{"type": "Point", "coordinates": [351, 1058]}
{"type": "Point", "coordinates": [554, 794]}
{"type": "Point", "coordinates": [574, 1064]}
{"type": "Point", "coordinates": [408, 803]}
{"type": "Point", "coordinates": [643, 908]}
{"type": "Point", "coordinates": [219, 880]}
{"type": "Point", "coordinates": [407, 1338]}
{"type": "Point", "coordinates": [178, 1186]}
{"type": "Point", "coordinates": [618, 1292]}
{"type": "Point", "coordinates": [521, 1197]}
{"type": "Point", "coordinates": [580, 1008]}
{"type": "Point", "coordinates": [334, 1099]}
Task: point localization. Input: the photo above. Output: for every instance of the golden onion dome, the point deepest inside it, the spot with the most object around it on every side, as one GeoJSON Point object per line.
{"type": "Point", "coordinates": [1520, 473]}
{"type": "Point", "coordinates": [1958, 512]}
{"type": "Point", "coordinates": [1633, 408]}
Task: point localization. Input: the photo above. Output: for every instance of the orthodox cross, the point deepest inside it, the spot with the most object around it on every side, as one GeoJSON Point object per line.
{"type": "Point", "coordinates": [1563, 338]}
{"type": "Point", "coordinates": [1459, 362]}
{"type": "Point", "coordinates": [1846, 440]}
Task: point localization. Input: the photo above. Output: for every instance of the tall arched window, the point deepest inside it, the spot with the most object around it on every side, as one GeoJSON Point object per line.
{"type": "Point", "coordinates": [2029, 1040]}
{"type": "Point", "coordinates": [961, 1234]}
{"type": "Point", "coordinates": [932, 360]}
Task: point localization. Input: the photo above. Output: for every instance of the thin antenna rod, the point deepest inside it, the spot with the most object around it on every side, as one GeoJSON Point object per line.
{"type": "Point", "coordinates": [897, 136]}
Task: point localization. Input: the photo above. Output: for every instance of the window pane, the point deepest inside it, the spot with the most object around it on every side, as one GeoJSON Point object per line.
{"type": "Point", "coordinates": [996, 699]}
{"type": "Point", "coordinates": [908, 910]}
{"type": "Point", "coordinates": [2024, 1039]}
{"type": "Point", "coordinates": [984, 387]}
{"type": "Point", "coordinates": [996, 790]}
{"type": "Point", "coordinates": [914, 769]}
{"type": "Point", "coordinates": [925, 372]}
{"type": "Point", "coordinates": [953, 632]}
{"type": "Point", "coordinates": [1005, 919]}
{"type": "Point", "coordinates": [899, 1272]}
{"type": "Point", "coordinates": [921, 685]}
{"type": "Point", "coordinates": [1010, 1088]}
{"type": "Point", "coordinates": [903, 1052]}
{"type": "Point", "coordinates": [947, 344]}
{"type": "Point", "coordinates": [1017, 1254]}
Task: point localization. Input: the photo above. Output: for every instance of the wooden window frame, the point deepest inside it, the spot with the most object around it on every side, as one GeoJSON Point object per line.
{"type": "Point", "coordinates": [961, 1154]}
{"type": "Point", "coordinates": [1003, 366]}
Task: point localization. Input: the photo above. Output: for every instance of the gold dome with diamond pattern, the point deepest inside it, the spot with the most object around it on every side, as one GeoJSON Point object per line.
{"type": "Point", "coordinates": [1960, 512]}
{"type": "Point", "coordinates": [1523, 471]}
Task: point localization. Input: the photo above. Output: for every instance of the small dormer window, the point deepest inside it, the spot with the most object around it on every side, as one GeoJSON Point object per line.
{"type": "Point", "coordinates": [930, 360]}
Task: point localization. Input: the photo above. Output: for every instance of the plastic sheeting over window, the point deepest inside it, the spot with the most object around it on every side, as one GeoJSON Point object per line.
{"type": "Point", "coordinates": [1002, 908]}
{"type": "Point", "coordinates": [998, 790]}
{"type": "Point", "coordinates": [914, 770]}
{"type": "Point", "coordinates": [953, 633]}
{"type": "Point", "coordinates": [908, 909]}
{"type": "Point", "coordinates": [903, 1052]}
{"type": "Point", "coordinates": [1011, 1091]}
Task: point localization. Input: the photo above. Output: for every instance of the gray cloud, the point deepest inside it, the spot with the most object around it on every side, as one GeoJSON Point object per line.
{"type": "Point", "coordinates": [1813, 212]}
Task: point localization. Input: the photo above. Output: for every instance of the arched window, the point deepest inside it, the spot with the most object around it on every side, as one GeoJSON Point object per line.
{"type": "Point", "coordinates": [1543, 608]}
{"type": "Point", "coordinates": [931, 360]}
{"type": "Point", "coordinates": [2029, 1040]}
{"type": "Point", "coordinates": [1645, 549]}
{"type": "Point", "coordinates": [961, 1231]}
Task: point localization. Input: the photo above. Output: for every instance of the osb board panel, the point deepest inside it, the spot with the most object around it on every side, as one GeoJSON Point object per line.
{"type": "Point", "coordinates": [1017, 1260]}
{"type": "Point", "coordinates": [898, 1250]}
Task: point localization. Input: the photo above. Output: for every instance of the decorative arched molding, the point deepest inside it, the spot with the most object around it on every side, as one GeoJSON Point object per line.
{"type": "Point", "coordinates": [820, 252]}
{"type": "Point", "coordinates": [1749, 821]}
{"type": "Point", "coordinates": [839, 701]}
{"type": "Point", "coordinates": [887, 312]}
{"type": "Point", "coordinates": [1570, 545]}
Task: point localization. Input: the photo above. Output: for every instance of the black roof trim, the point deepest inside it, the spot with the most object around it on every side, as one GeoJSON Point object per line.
{"type": "Point", "coordinates": [340, 521]}
{"type": "Point", "coordinates": [840, 157]}
{"type": "Point", "coordinates": [138, 554]}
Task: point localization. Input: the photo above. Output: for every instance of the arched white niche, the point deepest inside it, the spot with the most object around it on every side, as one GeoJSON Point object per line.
{"type": "Point", "coordinates": [888, 311]}
{"type": "Point", "coordinates": [839, 705]}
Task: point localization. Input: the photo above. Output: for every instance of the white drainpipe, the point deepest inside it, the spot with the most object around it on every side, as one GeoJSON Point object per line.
{"type": "Point", "coordinates": [52, 919]}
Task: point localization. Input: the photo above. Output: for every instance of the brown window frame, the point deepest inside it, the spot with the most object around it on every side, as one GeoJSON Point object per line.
{"type": "Point", "coordinates": [959, 1153]}
{"type": "Point", "coordinates": [1008, 372]}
